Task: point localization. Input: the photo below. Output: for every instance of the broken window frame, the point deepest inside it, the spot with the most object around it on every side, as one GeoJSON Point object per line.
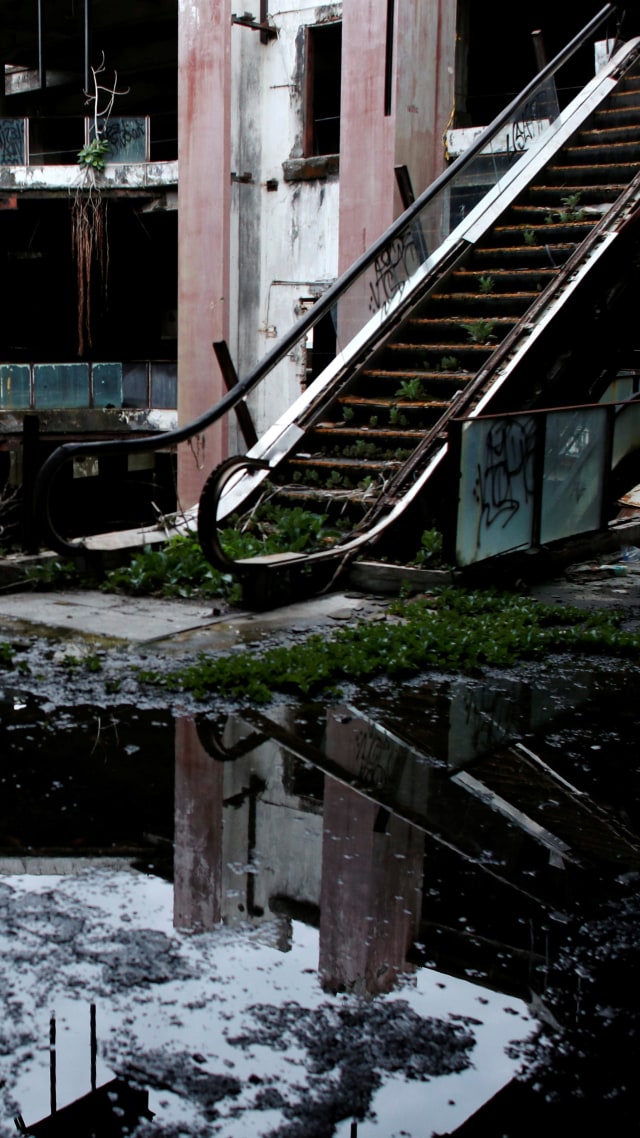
{"type": "Point", "coordinates": [316, 61]}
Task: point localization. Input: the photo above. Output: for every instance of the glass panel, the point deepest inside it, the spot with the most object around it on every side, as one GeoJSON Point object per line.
{"type": "Point", "coordinates": [12, 142]}
{"type": "Point", "coordinates": [164, 385]}
{"type": "Point", "coordinates": [15, 387]}
{"type": "Point", "coordinates": [496, 487]}
{"type": "Point", "coordinates": [61, 385]}
{"type": "Point", "coordinates": [575, 450]}
{"type": "Point", "coordinates": [107, 385]}
{"type": "Point", "coordinates": [626, 432]}
{"type": "Point", "coordinates": [134, 385]}
{"type": "Point", "coordinates": [127, 139]}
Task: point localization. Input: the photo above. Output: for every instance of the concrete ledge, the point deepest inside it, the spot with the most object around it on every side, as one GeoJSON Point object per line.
{"type": "Point", "coordinates": [380, 577]}
{"type": "Point", "coordinates": [306, 169]}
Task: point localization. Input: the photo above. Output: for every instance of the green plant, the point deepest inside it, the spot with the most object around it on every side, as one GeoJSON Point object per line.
{"type": "Point", "coordinates": [93, 154]}
{"type": "Point", "coordinates": [449, 629]}
{"type": "Point", "coordinates": [430, 551]}
{"type": "Point", "coordinates": [373, 420]}
{"type": "Point", "coordinates": [347, 414]}
{"type": "Point", "coordinates": [410, 389]}
{"type": "Point", "coordinates": [449, 363]}
{"type": "Point", "coordinates": [486, 284]}
{"type": "Point", "coordinates": [481, 331]}
{"type": "Point", "coordinates": [529, 236]}
{"type": "Point", "coordinates": [7, 653]}
{"type": "Point", "coordinates": [570, 208]}
{"type": "Point", "coordinates": [179, 568]}
{"type": "Point", "coordinates": [397, 418]}
{"type": "Point", "coordinates": [52, 574]}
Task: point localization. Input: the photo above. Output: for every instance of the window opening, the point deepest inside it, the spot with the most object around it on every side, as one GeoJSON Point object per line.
{"type": "Point", "coordinates": [322, 113]}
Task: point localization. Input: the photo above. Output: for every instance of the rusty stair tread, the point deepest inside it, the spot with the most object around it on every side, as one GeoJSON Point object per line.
{"type": "Point", "coordinates": [614, 150]}
{"type": "Point", "coordinates": [372, 434]}
{"type": "Point", "coordinates": [386, 403]}
{"type": "Point", "coordinates": [606, 134]}
{"type": "Point", "coordinates": [466, 295]}
{"type": "Point", "coordinates": [415, 373]}
{"type": "Point", "coordinates": [457, 348]}
{"type": "Point", "coordinates": [330, 463]}
{"type": "Point", "coordinates": [626, 170]}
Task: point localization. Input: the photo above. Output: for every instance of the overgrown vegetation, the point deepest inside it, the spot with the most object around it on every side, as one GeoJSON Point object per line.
{"type": "Point", "coordinates": [448, 630]}
{"type": "Point", "coordinates": [52, 574]}
{"type": "Point", "coordinates": [430, 550]}
{"type": "Point", "coordinates": [410, 389]}
{"type": "Point", "coordinates": [481, 331]}
{"type": "Point", "coordinates": [571, 210]}
{"type": "Point", "coordinates": [179, 568]}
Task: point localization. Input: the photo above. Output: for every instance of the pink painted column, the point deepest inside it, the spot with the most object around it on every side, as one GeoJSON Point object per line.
{"type": "Point", "coordinates": [204, 99]}
{"type": "Point", "coordinates": [373, 142]}
{"type": "Point", "coordinates": [366, 134]}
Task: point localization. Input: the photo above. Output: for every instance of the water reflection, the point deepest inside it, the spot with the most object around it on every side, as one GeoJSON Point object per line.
{"type": "Point", "coordinates": [405, 870]}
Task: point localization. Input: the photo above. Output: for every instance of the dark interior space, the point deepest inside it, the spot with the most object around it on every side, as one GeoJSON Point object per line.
{"type": "Point", "coordinates": [496, 55]}
{"type": "Point", "coordinates": [130, 312]}
{"type": "Point", "coordinates": [51, 48]}
{"type": "Point", "coordinates": [324, 60]}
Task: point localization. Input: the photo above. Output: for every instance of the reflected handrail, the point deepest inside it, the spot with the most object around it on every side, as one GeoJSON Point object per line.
{"type": "Point", "coordinates": [161, 440]}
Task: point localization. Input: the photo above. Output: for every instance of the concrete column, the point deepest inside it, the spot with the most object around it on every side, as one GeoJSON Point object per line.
{"type": "Point", "coordinates": [422, 93]}
{"type": "Point", "coordinates": [204, 100]}
{"type": "Point", "coordinates": [367, 140]}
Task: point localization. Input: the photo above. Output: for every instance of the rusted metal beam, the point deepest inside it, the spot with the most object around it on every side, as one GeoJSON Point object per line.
{"type": "Point", "coordinates": [230, 377]}
{"type": "Point", "coordinates": [267, 31]}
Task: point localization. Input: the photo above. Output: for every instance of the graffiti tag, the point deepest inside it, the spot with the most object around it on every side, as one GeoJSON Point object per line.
{"type": "Point", "coordinates": [505, 478]}
{"type": "Point", "coordinates": [11, 142]}
{"type": "Point", "coordinates": [393, 267]}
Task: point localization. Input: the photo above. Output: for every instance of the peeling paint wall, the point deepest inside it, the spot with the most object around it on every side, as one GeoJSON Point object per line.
{"type": "Point", "coordinates": [284, 233]}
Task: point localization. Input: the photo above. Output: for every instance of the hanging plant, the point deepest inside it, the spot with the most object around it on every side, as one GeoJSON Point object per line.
{"type": "Point", "coordinates": [89, 247]}
{"type": "Point", "coordinates": [93, 154]}
{"type": "Point", "coordinates": [89, 234]}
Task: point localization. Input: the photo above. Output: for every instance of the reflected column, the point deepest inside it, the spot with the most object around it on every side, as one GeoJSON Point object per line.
{"type": "Point", "coordinates": [197, 864]}
{"type": "Point", "coordinates": [372, 864]}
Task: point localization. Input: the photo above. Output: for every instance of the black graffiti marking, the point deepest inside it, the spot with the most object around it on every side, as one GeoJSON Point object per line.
{"type": "Point", "coordinates": [11, 142]}
{"type": "Point", "coordinates": [489, 718]}
{"type": "Point", "coordinates": [122, 132]}
{"type": "Point", "coordinates": [393, 266]}
{"type": "Point", "coordinates": [523, 134]}
{"type": "Point", "coordinates": [372, 759]}
{"type": "Point", "coordinates": [505, 480]}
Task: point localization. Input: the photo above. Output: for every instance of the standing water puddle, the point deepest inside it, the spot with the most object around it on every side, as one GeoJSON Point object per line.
{"type": "Point", "coordinates": [315, 920]}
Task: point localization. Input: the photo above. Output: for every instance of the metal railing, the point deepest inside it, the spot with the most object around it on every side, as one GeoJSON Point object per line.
{"type": "Point", "coordinates": [55, 140]}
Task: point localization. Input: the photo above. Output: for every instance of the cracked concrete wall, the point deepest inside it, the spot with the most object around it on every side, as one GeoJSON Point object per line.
{"type": "Point", "coordinates": [284, 232]}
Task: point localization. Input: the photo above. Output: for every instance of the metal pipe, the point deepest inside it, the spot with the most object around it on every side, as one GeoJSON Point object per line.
{"type": "Point", "coordinates": [87, 44]}
{"type": "Point", "coordinates": [42, 73]}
